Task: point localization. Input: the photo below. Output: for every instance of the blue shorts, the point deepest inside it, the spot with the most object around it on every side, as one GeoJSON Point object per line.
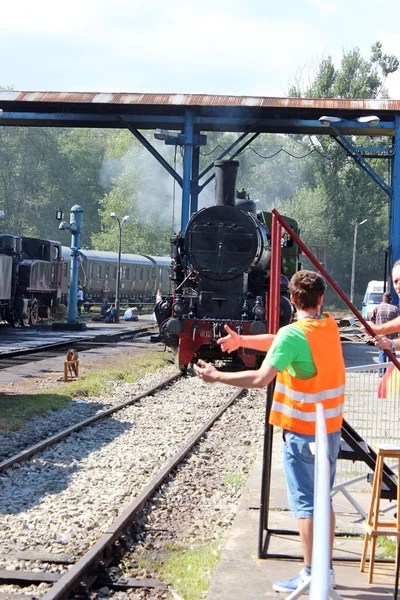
{"type": "Point", "coordinates": [298, 462]}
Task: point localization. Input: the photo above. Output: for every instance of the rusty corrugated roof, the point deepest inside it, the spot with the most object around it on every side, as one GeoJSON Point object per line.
{"type": "Point", "coordinates": [198, 100]}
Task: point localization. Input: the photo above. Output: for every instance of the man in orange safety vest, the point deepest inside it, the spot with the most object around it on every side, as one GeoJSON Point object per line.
{"type": "Point", "coordinates": [306, 359]}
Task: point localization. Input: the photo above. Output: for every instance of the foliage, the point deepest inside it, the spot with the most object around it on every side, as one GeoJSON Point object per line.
{"type": "Point", "coordinates": [137, 189]}
{"type": "Point", "coordinates": [309, 178]}
{"type": "Point", "coordinates": [342, 194]}
{"type": "Point", "coordinates": [356, 77]}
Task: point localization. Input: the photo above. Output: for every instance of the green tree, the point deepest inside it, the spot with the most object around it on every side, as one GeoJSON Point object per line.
{"type": "Point", "coordinates": [347, 194]}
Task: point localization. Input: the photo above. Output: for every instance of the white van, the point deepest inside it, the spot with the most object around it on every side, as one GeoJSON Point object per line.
{"type": "Point", "coordinates": [373, 296]}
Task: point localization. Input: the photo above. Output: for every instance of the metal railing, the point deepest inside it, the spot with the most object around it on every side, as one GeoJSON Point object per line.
{"type": "Point", "coordinates": [373, 410]}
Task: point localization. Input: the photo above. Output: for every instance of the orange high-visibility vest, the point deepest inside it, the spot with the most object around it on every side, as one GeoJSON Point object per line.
{"type": "Point", "coordinates": [294, 402]}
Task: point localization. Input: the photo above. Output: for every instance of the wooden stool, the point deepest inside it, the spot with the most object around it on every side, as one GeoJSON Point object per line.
{"type": "Point", "coordinates": [374, 526]}
{"type": "Point", "coordinates": [69, 367]}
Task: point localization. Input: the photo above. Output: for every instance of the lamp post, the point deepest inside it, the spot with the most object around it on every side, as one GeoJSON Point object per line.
{"type": "Point", "coordinates": [120, 222]}
{"type": "Point", "coordinates": [353, 265]}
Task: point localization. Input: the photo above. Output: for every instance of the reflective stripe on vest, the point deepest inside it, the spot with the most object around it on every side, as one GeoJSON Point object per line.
{"type": "Point", "coordinates": [303, 397]}
{"type": "Point", "coordinates": [309, 417]}
{"type": "Point", "coordinates": [293, 407]}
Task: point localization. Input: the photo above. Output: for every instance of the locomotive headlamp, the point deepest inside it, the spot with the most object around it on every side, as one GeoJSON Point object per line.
{"type": "Point", "coordinates": [178, 308]}
{"type": "Point", "coordinates": [258, 311]}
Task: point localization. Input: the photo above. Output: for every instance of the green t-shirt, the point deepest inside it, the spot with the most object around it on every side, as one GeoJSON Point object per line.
{"type": "Point", "coordinates": [290, 350]}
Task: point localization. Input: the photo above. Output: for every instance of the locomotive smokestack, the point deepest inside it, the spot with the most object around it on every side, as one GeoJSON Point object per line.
{"type": "Point", "coordinates": [225, 180]}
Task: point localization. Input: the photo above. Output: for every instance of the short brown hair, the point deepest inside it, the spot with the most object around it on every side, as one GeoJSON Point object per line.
{"type": "Point", "coordinates": [306, 287]}
{"type": "Point", "coordinates": [387, 297]}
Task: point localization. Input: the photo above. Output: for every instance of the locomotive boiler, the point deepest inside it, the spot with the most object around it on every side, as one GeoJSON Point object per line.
{"type": "Point", "coordinates": [220, 273]}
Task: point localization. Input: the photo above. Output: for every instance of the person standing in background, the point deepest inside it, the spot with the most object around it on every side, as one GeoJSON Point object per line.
{"type": "Point", "coordinates": [104, 298]}
{"type": "Point", "coordinates": [382, 313]}
{"type": "Point", "coordinates": [79, 299]}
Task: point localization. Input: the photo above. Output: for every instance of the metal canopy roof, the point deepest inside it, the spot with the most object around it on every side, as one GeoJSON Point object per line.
{"type": "Point", "coordinates": [211, 113]}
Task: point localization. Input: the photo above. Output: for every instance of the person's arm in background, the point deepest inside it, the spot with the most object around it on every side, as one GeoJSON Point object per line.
{"type": "Point", "coordinates": [384, 343]}
{"type": "Point", "coordinates": [392, 326]}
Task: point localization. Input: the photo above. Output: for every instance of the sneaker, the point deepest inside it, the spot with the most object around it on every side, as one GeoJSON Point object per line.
{"type": "Point", "coordinates": [292, 584]}
{"type": "Point", "coordinates": [298, 580]}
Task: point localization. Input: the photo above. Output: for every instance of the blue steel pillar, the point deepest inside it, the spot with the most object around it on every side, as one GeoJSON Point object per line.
{"type": "Point", "coordinates": [76, 219]}
{"type": "Point", "coordinates": [187, 167]}
{"type": "Point", "coordinates": [194, 203]}
{"type": "Point", "coordinates": [394, 209]}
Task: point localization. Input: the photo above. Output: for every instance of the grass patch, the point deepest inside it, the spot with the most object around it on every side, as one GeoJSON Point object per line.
{"type": "Point", "coordinates": [236, 480]}
{"type": "Point", "coordinates": [97, 382]}
{"type": "Point", "coordinates": [387, 547]}
{"type": "Point", "coordinates": [15, 410]}
{"type": "Point", "coordinates": [189, 570]}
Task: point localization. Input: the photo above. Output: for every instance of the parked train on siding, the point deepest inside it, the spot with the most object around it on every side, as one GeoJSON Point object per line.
{"type": "Point", "coordinates": [141, 276]}
{"type": "Point", "coordinates": [30, 278]}
{"type": "Point", "coordinates": [220, 274]}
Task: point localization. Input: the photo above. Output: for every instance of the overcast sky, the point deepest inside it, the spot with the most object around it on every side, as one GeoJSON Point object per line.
{"type": "Point", "coordinates": [253, 47]}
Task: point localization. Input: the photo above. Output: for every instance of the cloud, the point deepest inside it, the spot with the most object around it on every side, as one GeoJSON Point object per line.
{"type": "Point", "coordinates": [157, 46]}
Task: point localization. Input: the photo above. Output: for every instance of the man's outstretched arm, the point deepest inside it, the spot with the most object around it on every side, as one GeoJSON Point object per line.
{"type": "Point", "coordinates": [246, 379]}
{"type": "Point", "coordinates": [231, 342]}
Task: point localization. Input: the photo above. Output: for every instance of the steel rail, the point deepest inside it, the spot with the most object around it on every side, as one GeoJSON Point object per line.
{"type": "Point", "coordinates": [83, 569]}
{"type": "Point", "coordinates": [124, 335]}
{"type": "Point", "coordinates": [50, 441]}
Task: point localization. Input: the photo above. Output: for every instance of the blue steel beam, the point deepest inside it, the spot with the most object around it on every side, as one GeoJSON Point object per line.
{"type": "Point", "coordinates": [194, 185]}
{"type": "Point", "coordinates": [155, 153]}
{"type": "Point", "coordinates": [360, 160]}
{"type": "Point", "coordinates": [296, 125]}
{"type": "Point", "coordinates": [232, 123]}
{"type": "Point", "coordinates": [112, 120]}
{"type": "Point", "coordinates": [187, 167]}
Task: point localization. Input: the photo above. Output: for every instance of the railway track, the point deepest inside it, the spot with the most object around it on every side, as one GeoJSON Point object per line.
{"type": "Point", "coordinates": [46, 351]}
{"type": "Point", "coordinates": [100, 554]}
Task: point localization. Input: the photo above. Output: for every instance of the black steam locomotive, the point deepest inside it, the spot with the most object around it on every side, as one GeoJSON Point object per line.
{"type": "Point", "coordinates": [30, 278]}
{"type": "Point", "coordinates": [220, 272]}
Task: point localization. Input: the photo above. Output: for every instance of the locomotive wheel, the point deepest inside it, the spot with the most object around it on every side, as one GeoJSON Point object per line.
{"type": "Point", "coordinates": [26, 318]}
{"type": "Point", "coordinates": [34, 312]}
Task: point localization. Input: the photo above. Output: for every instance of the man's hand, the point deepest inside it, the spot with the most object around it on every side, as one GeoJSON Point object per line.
{"type": "Point", "coordinates": [231, 342]}
{"type": "Point", "coordinates": [205, 371]}
{"type": "Point", "coordinates": [382, 342]}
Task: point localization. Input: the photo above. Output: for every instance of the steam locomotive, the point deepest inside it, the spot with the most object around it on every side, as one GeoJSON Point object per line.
{"type": "Point", "coordinates": [30, 278]}
{"type": "Point", "coordinates": [220, 274]}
